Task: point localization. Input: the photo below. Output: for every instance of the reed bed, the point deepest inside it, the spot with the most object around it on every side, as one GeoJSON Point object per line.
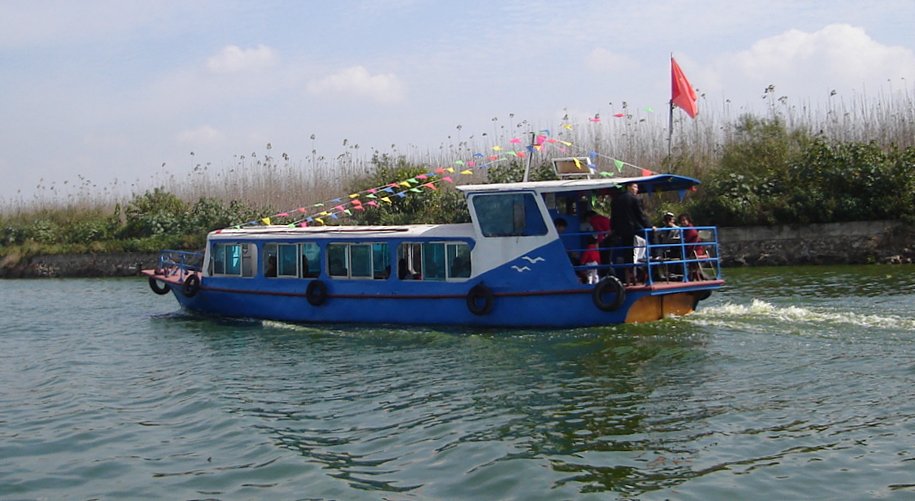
{"type": "Point", "coordinates": [639, 137]}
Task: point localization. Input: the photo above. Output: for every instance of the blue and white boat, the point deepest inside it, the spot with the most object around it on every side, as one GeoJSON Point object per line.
{"type": "Point", "coordinates": [508, 267]}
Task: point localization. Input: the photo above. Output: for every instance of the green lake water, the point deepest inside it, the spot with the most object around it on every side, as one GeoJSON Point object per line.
{"type": "Point", "coordinates": [791, 383]}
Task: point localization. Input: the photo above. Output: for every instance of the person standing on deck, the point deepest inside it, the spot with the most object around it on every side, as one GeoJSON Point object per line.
{"type": "Point", "coordinates": [628, 219]}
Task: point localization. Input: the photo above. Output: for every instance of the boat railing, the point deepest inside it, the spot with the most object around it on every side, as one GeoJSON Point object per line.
{"type": "Point", "coordinates": [663, 257]}
{"type": "Point", "coordinates": [176, 262]}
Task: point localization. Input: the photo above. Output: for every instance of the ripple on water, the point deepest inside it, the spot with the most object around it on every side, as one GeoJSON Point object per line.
{"type": "Point", "coordinates": [806, 395]}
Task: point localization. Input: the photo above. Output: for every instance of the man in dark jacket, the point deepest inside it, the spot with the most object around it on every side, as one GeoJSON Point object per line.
{"type": "Point", "coordinates": [628, 220]}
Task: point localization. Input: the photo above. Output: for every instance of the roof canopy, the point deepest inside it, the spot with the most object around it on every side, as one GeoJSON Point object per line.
{"type": "Point", "coordinates": [648, 184]}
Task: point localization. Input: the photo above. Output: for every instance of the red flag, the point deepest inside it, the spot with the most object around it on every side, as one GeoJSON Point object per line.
{"type": "Point", "coordinates": [682, 93]}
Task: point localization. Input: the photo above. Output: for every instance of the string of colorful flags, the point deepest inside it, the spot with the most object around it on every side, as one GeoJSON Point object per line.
{"type": "Point", "coordinates": [325, 212]}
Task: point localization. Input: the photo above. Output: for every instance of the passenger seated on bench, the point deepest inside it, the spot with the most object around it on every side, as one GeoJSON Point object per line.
{"type": "Point", "coordinates": [667, 235]}
{"type": "Point", "coordinates": [691, 236]}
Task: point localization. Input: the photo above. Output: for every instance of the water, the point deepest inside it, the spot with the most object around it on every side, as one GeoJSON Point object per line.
{"type": "Point", "coordinates": [791, 383]}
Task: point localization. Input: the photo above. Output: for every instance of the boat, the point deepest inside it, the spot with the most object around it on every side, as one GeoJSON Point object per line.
{"type": "Point", "coordinates": [509, 267]}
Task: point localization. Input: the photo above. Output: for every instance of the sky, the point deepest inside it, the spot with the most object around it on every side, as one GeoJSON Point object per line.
{"type": "Point", "coordinates": [112, 90]}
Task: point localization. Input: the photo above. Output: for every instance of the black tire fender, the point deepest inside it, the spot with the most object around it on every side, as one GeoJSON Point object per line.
{"type": "Point", "coordinates": [192, 285]}
{"type": "Point", "coordinates": [160, 290]}
{"type": "Point", "coordinates": [609, 285]}
{"type": "Point", "coordinates": [480, 299]}
{"type": "Point", "coordinates": [316, 293]}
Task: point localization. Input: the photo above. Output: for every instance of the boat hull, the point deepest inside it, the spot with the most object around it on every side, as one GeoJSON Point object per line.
{"type": "Point", "coordinates": [556, 308]}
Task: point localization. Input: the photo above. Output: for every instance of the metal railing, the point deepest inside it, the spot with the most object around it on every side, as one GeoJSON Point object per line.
{"type": "Point", "coordinates": [175, 262]}
{"type": "Point", "coordinates": [663, 257]}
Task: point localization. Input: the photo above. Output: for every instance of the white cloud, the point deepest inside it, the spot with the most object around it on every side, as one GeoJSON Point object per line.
{"type": "Point", "coordinates": [839, 56]}
{"type": "Point", "coordinates": [358, 82]}
{"type": "Point", "coordinates": [204, 134]}
{"type": "Point", "coordinates": [234, 59]}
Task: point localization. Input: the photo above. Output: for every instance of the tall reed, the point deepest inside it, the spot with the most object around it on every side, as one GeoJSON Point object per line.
{"type": "Point", "coordinates": [636, 136]}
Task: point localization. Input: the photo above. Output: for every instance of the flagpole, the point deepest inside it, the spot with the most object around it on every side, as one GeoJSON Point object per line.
{"type": "Point", "coordinates": [530, 157]}
{"type": "Point", "coordinates": [670, 128]}
{"type": "Point", "coordinates": [670, 115]}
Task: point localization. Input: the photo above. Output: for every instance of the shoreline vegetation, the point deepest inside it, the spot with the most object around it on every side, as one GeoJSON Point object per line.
{"type": "Point", "coordinates": [795, 165]}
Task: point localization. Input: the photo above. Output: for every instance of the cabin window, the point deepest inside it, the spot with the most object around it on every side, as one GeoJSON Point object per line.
{"type": "Point", "coordinates": [311, 260]}
{"type": "Point", "coordinates": [231, 260]}
{"type": "Point", "coordinates": [359, 260]}
{"type": "Point", "coordinates": [509, 215]}
{"type": "Point", "coordinates": [360, 256]}
{"type": "Point", "coordinates": [381, 261]}
{"type": "Point", "coordinates": [458, 260]}
{"type": "Point", "coordinates": [336, 260]}
{"type": "Point", "coordinates": [436, 261]}
{"type": "Point", "coordinates": [281, 260]}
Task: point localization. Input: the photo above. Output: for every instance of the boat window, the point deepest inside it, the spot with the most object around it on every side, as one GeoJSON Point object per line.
{"type": "Point", "coordinates": [311, 259]}
{"type": "Point", "coordinates": [509, 215]}
{"type": "Point", "coordinates": [336, 260]}
{"type": "Point", "coordinates": [458, 259]}
{"type": "Point", "coordinates": [231, 259]}
{"type": "Point", "coordinates": [288, 261]}
{"type": "Point", "coordinates": [281, 260]}
{"type": "Point", "coordinates": [434, 261]}
{"type": "Point", "coordinates": [359, 260]}
{"type": "Point", "coordinates": [381, 261]}
{"type": "Point", "coordinates": [437, 261]}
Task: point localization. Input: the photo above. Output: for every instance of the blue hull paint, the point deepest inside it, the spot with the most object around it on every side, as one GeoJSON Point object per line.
{"type": "Point", "coordinates": [566, 310]}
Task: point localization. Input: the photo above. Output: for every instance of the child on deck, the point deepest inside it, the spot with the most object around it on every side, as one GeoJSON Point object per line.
{"type": "Point", "coordinates": [591, 257]}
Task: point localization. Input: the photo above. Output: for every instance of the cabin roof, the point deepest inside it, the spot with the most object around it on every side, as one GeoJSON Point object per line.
{"type": "Point", "coordinates": [657, 182]}
{"type": "Point", "coordinates": [347, 232]}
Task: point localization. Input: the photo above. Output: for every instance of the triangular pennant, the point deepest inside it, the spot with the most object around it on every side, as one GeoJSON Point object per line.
{"type": "Point", "coordinates": [430, 186]}
{"type": "Point", "coordinates": [266, 221]}
{"type": "Point", "coordinates": [448, 178]}
{"type": "Point", "coordinates": [386, 199]}
{"type": "Point", "coordinates": [619, 165]}
{"type": "Point", "coordinates": [467, 172]}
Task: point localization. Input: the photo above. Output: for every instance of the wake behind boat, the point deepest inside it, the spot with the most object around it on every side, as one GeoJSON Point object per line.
{"type": "Point", "coordinates": [509, 267]}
